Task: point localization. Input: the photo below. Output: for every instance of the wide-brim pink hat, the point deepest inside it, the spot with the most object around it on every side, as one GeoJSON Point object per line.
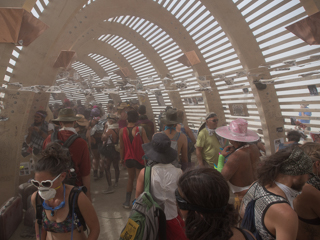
{"type": "Point", "coordinates": [238, 131]}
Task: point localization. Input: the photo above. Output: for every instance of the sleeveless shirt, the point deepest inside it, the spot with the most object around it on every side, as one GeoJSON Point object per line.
{"type": "Point", "coordinates": [263, 200]}
{"type": "Point", "coordinates": [133, 150]}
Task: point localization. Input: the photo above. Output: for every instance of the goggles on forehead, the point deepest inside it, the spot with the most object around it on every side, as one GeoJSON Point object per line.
{"type": "Point", "coordinates": [45, 183]}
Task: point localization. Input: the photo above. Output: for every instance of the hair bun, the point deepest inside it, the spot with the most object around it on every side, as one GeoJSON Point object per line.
{"type": "Point", "coordinates": [56, 151]}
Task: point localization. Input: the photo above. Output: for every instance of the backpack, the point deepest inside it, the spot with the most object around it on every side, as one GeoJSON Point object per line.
{"type": "Point", "coordinates": [72, 176]}
{"type": "Point", "coordinates": [74, 210]}
{"type": "Point", "coordinates": [134, 149]}
{"type": "Point", "coordinates": [109, 149]}
{"type": "Point", "coordinates": [147, 220]}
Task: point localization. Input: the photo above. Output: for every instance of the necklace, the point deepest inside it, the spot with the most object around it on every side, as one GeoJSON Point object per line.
{"type": "Point", "coordinates": [61, 205]}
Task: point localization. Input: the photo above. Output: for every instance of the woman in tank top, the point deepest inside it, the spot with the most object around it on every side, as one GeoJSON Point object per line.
{"type": "Point", "coordinates": [55, 203]}
{"type": "Point", "coordinates": [131, 139]}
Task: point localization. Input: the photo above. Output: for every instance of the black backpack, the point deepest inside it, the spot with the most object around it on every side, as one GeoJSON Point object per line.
{"type": "Point", "coordinates": [73, 208]}
{"type": "Point", "coordinates": [72, 176]}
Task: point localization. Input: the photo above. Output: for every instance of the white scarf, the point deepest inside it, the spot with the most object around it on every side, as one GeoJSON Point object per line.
{"type": "Point", "coordinates": [211, 131]}
{"type": "Point", "coordinates": [290, 193]}
{"type": "Point", "coordinates": [68, 129]}
{"type": "Point", "coordinates": [220, 139]}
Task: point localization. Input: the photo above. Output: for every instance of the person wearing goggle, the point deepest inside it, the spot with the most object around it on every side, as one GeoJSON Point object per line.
{"type": "Point", "coordinates": [59, 220]}
{"type": "Point", "coordinates": [202, 197]}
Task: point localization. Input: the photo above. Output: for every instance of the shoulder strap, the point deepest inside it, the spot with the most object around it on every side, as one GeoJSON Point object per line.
{"type": "Point", "coordinates": [176, 136]}
{"type": "Point", "coordinates": [70, 140]}
{"type": "Point", "coordinates": [117, 136]}
{"type": "Point", "coordinates": [110, 137]}
{"type": "Point", "coordinates": [54, 136]}
{"type": "Point", "coordinates": [147, 179]}
{"type": "Point", "coordinates": [39, 209]}
{"type": "Point", "coordinates": [73, 204]}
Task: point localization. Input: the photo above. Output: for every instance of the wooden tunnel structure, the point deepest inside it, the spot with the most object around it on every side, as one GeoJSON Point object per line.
{"type": "Point", "coordinates": [248, 58]}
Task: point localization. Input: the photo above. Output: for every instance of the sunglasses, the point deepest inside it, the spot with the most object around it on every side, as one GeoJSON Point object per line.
{"type": "Point", "coordinates": [215, 120]}
{"type": "Point", "coordinates": [182, 204]}
{"type": "Point", "coordinates": [46, 183]}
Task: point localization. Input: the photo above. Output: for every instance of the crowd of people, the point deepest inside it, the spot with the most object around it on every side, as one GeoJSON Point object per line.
{"type": "Point", "coordinates": [227, 192]}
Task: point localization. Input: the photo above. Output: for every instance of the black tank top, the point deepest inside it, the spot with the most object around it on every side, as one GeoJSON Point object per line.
{"type": "Point", "coordinates": [131, 137]}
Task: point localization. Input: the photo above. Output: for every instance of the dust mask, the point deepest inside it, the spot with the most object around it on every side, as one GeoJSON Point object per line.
{"type": "Point", "coordinates": [47, 193]}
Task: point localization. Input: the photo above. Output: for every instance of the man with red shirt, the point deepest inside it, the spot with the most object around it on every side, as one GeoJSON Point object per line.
{"type": "Point", "coordinates": [79, 149]}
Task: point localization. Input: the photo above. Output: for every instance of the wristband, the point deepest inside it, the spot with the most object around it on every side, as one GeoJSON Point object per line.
{"type": "Point", "coordinates": [220, 162]}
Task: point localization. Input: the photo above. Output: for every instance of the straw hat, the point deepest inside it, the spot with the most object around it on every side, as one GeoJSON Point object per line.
{"type": "Point", "coordinates": [171, 117]}
{"type": "Point", "coordinates": [66, 115]}
{"type": "Point", "coordinates": [82, 121]}
{"type": "Point", "coordinates": [122, 106]}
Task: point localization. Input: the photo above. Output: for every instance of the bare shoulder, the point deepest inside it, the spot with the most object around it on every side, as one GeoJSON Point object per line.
{"type": "Point", "coordinates": [238, 156]}
{"type": "Point", "coordinates": [254, 147]}
{"type": "Point", "coordinates": [110, 131]}
{"type": "Point", "coordinates": [311, 192]}
{"type": "Point", "coordinates": [282, 221]}
{"type": "Point", "coordinates": [183, 136]}
{"type": "Point", "coordinates": [254, 151]}
{"type": "Point", "coordinates": [186, 127]}
{"type": "Point", "coordinates": [282, 211]}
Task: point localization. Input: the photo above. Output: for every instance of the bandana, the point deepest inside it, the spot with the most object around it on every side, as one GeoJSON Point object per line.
{"type": "Point", "coordinates": [171, 128]}
{"type": "Point", "coordinates": [41, 114]}
{"type": "Point", "coordinates": [113, 126]}
{"type": "Point", "coordinates": [68, 129]}
{"type": "Point", "coordinates": [297, 164]}
{"type": "Point", "coordinates": [314, 181]}
{"type": "Point", "coordinates": [210, 131]}
{"type": "Point", "coordinates": [210, 115]}
{"type": "Point", "coordinates": [290, 193]}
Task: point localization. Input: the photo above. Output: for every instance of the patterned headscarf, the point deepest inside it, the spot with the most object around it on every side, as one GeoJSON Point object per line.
{"type": "Point", "coordinates": [297, 164]}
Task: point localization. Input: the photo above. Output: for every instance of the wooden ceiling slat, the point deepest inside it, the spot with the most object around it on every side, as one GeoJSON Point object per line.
{"type": "Point", "coordinates": [286, 50]}
{"type": "Point", "coordinates": [280, 43]}
{"type": "Point", "coordinates": [274, 8]}
{"type": "Point", "coordinates": [280, 25]}
{"type": "Point", "coordinates": [275, 18]}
